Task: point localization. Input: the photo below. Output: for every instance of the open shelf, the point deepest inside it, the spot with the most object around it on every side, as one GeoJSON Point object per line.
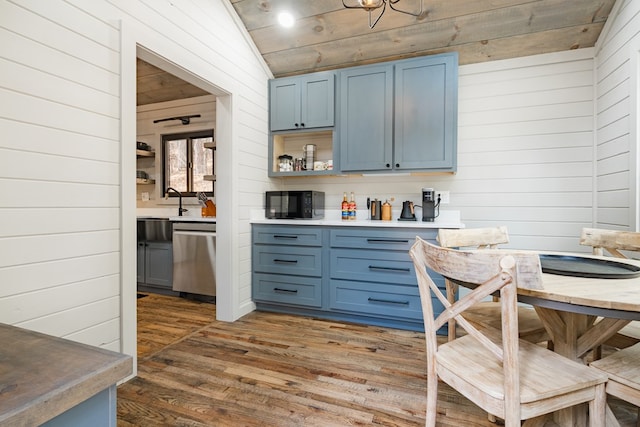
{"type": "Point", "coordinates": [292, 143]}
{"type": "Point", "coordinates": [145, 153]}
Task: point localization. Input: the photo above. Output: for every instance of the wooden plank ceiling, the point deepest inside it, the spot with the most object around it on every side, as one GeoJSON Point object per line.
{"type": "Point", "coordinates": [328, 36]}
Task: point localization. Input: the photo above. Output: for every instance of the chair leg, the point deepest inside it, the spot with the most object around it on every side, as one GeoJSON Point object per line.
{"type": "Point", "coordinates": [597, 353]}
{"type": "Point", "coordinates": [598, 407]}
{"type": "Point", "coordinates": [432, 399]}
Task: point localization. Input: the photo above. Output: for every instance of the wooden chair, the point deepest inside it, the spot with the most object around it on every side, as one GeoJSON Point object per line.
{"type": "Point", "coordinates": [487, 313]}
{"type": "Point", "coordinates": [613, 242]}
{"type": "Point", "coordinates": [623, 370]}
{"type": "Point", "coordinates": [508, 377]}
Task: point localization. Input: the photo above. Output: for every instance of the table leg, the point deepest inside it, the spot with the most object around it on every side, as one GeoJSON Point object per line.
{"type": "Point", "coordinates": [566, 328]}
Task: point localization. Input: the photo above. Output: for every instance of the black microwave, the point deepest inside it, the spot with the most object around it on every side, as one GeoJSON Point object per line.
{"type": "Point", "coordinates": [294, 204]}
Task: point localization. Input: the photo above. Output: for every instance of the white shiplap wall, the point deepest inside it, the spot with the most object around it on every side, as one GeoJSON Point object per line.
{"type": "Point", "coordinates": [525, 152]}
{"type": "Point", "coordinates": [618, 94]}
{"type": "Point", "coordinates": [63, 269]}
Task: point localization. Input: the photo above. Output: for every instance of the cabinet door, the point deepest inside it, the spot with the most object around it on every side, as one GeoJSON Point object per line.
{"type": "Point", "coordinates": [425, 113]}
{"type": "Point", "coordinates": [317, 100]}
{"type": "Point", "coordinates": [284, 104]}
{"type": "Point", "coordinates": [366, 113]}
{"type": "Point", "coordinates": [159, 264]}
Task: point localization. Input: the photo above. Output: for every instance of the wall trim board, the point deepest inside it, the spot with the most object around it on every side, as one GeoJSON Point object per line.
{"type": "Point", "coordinates": [634, 133]}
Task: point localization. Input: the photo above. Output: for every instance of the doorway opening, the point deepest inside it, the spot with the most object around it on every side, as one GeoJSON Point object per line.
{"type": "Point", "coordinates": [131, 54]}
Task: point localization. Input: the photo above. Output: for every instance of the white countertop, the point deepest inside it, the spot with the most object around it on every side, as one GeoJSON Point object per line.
{"type": "Point", "coordinates": [170, 213]}
{"type": "Point", "coordinates": [193, 218]}
{"type": "Point", "coordinates": [446, 219]}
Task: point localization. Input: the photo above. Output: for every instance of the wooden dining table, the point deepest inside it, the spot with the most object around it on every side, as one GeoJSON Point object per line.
{"type": "Point", "coordinates": [582, 313]}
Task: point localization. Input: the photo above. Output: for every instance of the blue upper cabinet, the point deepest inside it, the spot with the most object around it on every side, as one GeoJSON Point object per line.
{"type": "Point", "coordinates": [401, 116]}
{"type": "Point", "coordinates": [425, 117]}
{"type": "Point", "coordinates": [365, 124]}
{"type": "Point", "coordinates": [302, 102]}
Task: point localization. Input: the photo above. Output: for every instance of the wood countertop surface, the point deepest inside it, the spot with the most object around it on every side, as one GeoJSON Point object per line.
{"type": "Point", "coordinates": [43, 376]}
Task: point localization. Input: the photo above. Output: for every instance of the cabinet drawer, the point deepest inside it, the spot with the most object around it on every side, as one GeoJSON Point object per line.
{"type": "Point", "coordinates": [302, 261]}
{"type": "Point", "coordinates": [395, 240]}
{"type": "Point", "coordinates": [287, 289]}
{"type": "Point", "coordinates": [375, 299]}
{"type": "Point", "coordinates": [287, 235]}
{"type": "Point", "coordinates": [372, 266]}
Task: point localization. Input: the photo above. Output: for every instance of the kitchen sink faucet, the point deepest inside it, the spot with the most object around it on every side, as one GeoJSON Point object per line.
{"type": "Point", "coordinates": [166, 196]}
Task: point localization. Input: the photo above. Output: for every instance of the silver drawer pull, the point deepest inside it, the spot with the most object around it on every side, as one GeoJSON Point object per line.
{"type": "Point", "coordinates": [282, 236]}
{"type": "Point", "coordinates": [376, 267]}
{"type": "Point", "coordinates": [285, 291]}
{"type": "Point", "coordinates": [286, 261]}
{"type": "Point", "coordinates": [387, 301]}
{"type": "Point", "coordinates": [387, 241]}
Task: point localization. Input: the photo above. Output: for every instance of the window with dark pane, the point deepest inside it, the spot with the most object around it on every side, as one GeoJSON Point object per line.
{"type": "Point", "coordinates": [189, 162]}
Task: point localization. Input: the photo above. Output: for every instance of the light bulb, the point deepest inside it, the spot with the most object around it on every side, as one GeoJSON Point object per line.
{"type": "Point", "coordinates": [370, 4]}
{"type": "Point", "coordinates": [286, 19]}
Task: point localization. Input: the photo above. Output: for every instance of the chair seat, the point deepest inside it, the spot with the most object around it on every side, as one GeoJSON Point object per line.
{"type": "Point", "coordinates": [543, 374]}
{"type": "Point", "coordinates": [487, 314]}
{"type": "Point", "coordinates": [622, 366]}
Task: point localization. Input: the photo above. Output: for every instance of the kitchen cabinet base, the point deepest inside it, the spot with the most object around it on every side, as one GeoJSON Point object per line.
{"type": "Point", "coordinates": [344, 317]}
{"type": "Point", "coordinates": [142, 287]}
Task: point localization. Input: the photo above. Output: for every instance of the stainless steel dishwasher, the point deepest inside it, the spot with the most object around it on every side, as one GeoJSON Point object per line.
{"type": "Point", "coordinates": [194, 257]}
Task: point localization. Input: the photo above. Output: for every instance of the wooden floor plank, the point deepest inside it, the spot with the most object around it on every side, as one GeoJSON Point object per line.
{"type": "Point", "coordinates": [271, 369]}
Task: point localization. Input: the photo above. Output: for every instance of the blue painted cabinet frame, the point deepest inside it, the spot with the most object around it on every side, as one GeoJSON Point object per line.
{"type": "Point", "coordinates": [302, 102]}
{"type": "Point", "coordinates": [357, 274]}
{"type": "Point", "coordinates": [399, 116]}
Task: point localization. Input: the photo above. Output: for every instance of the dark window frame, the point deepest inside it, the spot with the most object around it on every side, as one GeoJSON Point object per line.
{"type": "Point", "coordinates": [189, 136]}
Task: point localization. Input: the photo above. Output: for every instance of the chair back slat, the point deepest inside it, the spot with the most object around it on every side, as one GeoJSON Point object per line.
{"type": "Point", "coordinates": [613, 241]}
{"type": "Point", "coordinates": [481, 238]}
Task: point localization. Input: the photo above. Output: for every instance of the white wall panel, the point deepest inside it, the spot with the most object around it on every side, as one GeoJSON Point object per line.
{"type": "Point", "coordinates": [22, 136]}
{"type": "Point", "coordinates": [28, 306]}
{"type": "Point", "coordinates": [28, 278]}
{"type": "Point", "coordinates": [65, 323]}
{"type": "Point", "coordinates": [61, 167]}
{"type": "Point", "coordinates": [617, 142]}
{"type": "Point", "coordinates": [33, 54]}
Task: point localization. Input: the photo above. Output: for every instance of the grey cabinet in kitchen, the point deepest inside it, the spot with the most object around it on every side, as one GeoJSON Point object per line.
{"type": "Point", "coordinates": [302, 102]}
{"type": "Point", "coordinates": [365, 124]}
{"type": "Point", "coordinates": [287, 265]}
{"type": "Point", "coordinates": [358, 274]}
{"type": "Point", "coordinates": [372, 274]}
{"type": "Point", "coordinates": [155, 266]}
{"type": "Point", "coordinates": [399, 116]}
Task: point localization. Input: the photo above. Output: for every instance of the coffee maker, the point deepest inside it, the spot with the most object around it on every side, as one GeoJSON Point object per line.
{"type": "Point", "coordinates": [428, 205]}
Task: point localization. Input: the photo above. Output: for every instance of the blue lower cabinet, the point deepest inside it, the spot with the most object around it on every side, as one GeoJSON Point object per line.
{"type": "Point", "coordinates": [375, 299]}
{"type": "Point", "coordinates": [282, 289]}
{"type": "Point", "coordinates": [303, 261]}
{"type": "Point", "coordinates": [358, 274]}
{"type": "Point", "coordinates": [373, 266]}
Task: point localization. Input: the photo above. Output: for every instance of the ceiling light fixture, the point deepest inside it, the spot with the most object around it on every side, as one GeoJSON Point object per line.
{"type": "Point", "coordinates": [371, 5]}
{"type": "Point", "coordinates": [286, 19]}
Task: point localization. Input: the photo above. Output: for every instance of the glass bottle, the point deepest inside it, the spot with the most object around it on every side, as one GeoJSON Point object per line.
{"type": "Point", "coordinates": [352, 208]}
{"type": "Point", "coordinates": [345, 207]}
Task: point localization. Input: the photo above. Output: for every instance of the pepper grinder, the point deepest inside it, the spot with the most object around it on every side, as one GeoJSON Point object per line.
{"type": "Point", "coordinates": [386, 211]}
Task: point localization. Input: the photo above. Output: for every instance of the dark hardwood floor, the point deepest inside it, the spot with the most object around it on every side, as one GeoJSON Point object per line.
{"type": "Point", "coordinates": [279, 370]}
